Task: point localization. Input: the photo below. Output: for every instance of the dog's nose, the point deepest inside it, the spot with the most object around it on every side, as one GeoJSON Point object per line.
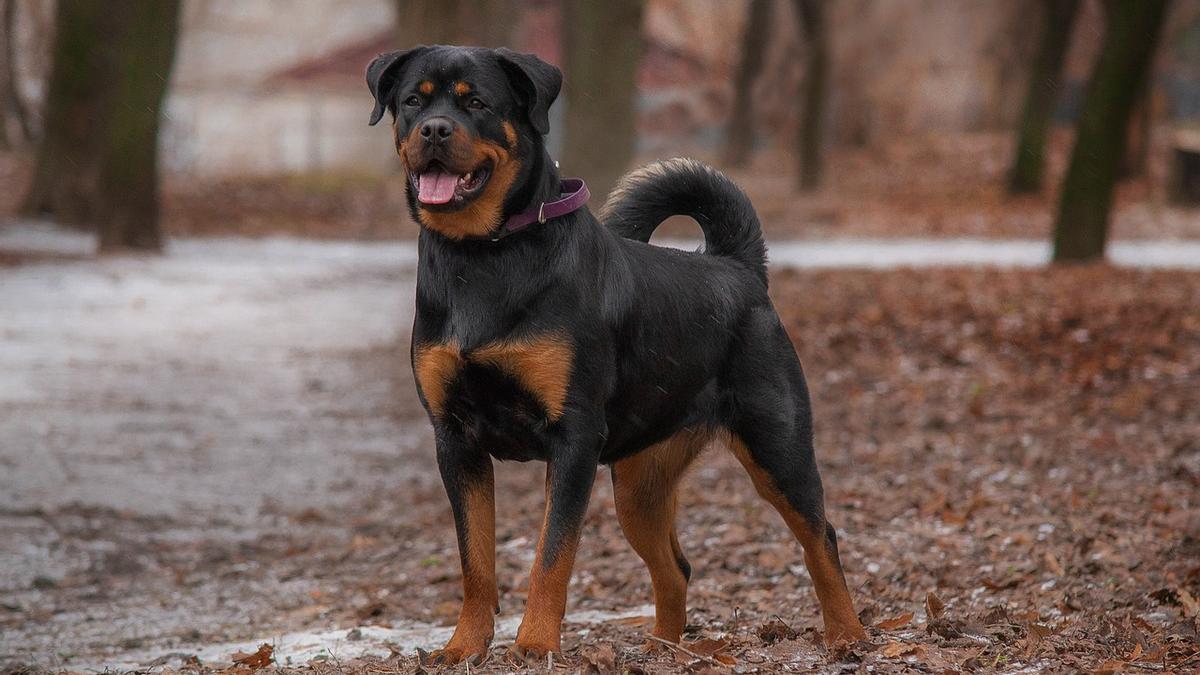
{"type": "Point", "coordinates": [437, 129]}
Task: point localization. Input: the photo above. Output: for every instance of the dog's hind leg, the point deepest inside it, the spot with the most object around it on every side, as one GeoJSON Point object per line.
{"type": "Point", "coordinates": [644, 488]}
{"type": "Point", "coordinates": [771, 435]}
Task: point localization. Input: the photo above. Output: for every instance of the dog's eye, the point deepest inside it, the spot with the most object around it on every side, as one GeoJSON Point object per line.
{"type": "Point", "coordinates": [476, 104]}
{"type": "Point", "coordinates": [412, 101]}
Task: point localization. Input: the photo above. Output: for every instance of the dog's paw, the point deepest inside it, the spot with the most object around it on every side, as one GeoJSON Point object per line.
{"type": "Point", "coordinates": [452, 655]}
{"type": "Point", "coordinates": [654, 647]}
{"type": "Point", "coordinates": [531, 653]}
{"type": "Point", "coordinates": [836, 636]}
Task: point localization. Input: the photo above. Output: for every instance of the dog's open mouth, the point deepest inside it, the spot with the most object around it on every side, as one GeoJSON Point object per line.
{"type": "Point", "coordinates": [436, 185]}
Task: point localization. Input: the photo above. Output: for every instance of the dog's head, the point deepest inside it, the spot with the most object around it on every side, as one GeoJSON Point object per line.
{"type": "Point", "coordinates": [468, 124]}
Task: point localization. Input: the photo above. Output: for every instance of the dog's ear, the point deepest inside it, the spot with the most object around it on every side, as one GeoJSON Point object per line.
{"type": "Point", "coordinates": [537, 81]}
{"type": "Point", "coordinates": [382, 76]}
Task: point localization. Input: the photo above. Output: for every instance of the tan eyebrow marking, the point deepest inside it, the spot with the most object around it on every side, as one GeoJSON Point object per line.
{"type": "Point", "coordinates": [426, 87]}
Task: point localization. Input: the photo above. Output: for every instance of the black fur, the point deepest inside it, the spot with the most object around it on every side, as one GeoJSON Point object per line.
{"type": "Point", "coordinates": [663, 340]}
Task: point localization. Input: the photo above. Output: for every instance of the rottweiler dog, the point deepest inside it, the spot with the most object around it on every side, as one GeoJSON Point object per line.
{"type": "Point", "coordinates": [571, 340]}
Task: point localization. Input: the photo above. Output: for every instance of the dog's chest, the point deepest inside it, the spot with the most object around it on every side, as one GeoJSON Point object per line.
{"type": "Point", "coordinates": [497, 384]}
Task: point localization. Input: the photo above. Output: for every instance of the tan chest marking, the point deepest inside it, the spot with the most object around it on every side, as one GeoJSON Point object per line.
{"type": "Point", "coordinates": [542, 365]}
{"type": "Point", "coordinates": [435, 366]}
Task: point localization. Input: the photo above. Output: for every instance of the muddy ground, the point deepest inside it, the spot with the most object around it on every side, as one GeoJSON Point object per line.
{"type": "Point", "coordinates": [223, 448]}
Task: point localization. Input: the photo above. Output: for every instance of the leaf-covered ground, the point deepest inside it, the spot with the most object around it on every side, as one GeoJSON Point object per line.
{"type": "Point", "coordinates": [1012, 459]}
{"type": "Point", "coordinates": [1020, 450]}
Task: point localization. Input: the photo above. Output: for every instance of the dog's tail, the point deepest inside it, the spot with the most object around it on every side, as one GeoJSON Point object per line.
{"type": "Point", "coordinates": [645, 197]}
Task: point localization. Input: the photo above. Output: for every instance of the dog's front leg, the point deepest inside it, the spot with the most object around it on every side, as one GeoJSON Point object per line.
{"type": "Point", "coordinates": [468, 478]}
{"type": "Point", "coordinates": [569, 477]}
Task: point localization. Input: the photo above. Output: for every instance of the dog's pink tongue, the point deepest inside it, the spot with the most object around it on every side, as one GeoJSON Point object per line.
{"type": "Point", "coordinates": [436, 187]}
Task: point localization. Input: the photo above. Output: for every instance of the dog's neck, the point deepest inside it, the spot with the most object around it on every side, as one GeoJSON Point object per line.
{"type": "Point", "coordinates": [542, 184]}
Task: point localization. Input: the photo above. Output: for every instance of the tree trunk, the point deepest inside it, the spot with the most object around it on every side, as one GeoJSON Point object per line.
{"type": "Point", "coordinates": [62, 166]}
{"type": "Point", "coordinates": [1141, 128]}
{"type": "Point", "coordinates": [484, 23]}
{"type": "Point", "coordinates": [10, 90]}
{"type": "Point", "coordinates": [739, 134]}
{"type": "Point", "coordinates": [1130, 37]}
{"type": "Point", "coordinates": [127, 210]}
{"type": "Point", "coordinates": [97, 164]}
{"type": "Point", "coordinates": [815, 28]}
{"type": "Point", "coordinates": [1044, 84]}
{"type": "Point", "coordinates": [7, 76]}
{"type": "Point", "coordinates": [602, 43]}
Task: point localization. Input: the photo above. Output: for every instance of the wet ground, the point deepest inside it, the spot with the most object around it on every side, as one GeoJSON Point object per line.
{"type": "Point", "coordinates": [222, 447]}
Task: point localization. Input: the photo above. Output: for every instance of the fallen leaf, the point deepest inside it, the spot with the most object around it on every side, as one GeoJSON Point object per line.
{"type": "Point", "coordinates": [933, 606]}
{"type": "Point", "coordinates": [775, 631]}
{"type": "Point", "coordinates": [259, 659]}
{"type": "Point", "coordinates": [600, 659]}
{"type": "Point", "coordinates": [1191, 608]}
{"type": "Point", "coordinates": [895, 622]}
{"type": "Point", "coordinates": [1165, 596]}
{"type": "Point", "coordinates": [707, 646]}
{"type": "Point", "coordinates": [632, 621]}
{"type": "Point", "coordinates": [1053, 565]}
{"type": "Point", "coordinates": [897, 649]}
{"type": "Point", "coordinates": [993, 585]}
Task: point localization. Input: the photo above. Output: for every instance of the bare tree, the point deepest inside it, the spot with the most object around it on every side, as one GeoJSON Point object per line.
{"type": "Point", "coordinates": [1130, 38]}
{"type": "Point", "coordinates": [814, 26]}
{"type": "Point", "coordinates": [97, 162]}
{"type": "Point", "coordinates": [1141, 127]}
{"type": "Point", "coordinates": [1045, 81]}
{"type": "Point", "coordinates": [11, 107]}
{"type": "Point", "coordinates": [602, 45]}
{"type": "Point", "coordinates": [484, 23]}
{"type": "Point", "coordinates": [739, 132]}
{"type": "Point", "coordinates": [62, 169]}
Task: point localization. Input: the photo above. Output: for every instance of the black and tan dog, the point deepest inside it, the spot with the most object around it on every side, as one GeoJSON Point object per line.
{"type": "Point", "coordinates": [577, 343]}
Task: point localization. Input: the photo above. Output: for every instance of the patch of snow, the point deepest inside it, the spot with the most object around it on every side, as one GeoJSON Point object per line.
{"type": "Point", "coordinates": [302, 647]}
{"type": "Point", "coordinates": [202, 362]}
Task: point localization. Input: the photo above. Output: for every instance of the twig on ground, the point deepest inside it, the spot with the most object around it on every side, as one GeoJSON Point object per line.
{"type": "Point", "coordinates": [685, 650]}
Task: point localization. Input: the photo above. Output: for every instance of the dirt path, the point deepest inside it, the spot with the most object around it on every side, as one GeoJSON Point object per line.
{"type": "Point", "coordinates": [162, 418]}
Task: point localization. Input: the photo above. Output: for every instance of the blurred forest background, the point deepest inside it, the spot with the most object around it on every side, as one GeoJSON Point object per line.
{"type": "Point", "coordinates": [901, 117]}
{"type": "Point", "coordinates": [215, 442]}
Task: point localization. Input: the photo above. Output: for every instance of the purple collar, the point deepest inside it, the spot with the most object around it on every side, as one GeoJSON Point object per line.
{"type": "Point", "coordinates": [575, 196]}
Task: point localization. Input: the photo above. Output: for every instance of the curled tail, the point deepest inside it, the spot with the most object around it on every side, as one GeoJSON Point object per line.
{"type": "Point", "coordinates": [645, 197]}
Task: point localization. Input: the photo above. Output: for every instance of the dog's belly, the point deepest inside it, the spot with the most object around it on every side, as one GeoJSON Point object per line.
{"type": "Point", "coordinates": [646, 414]}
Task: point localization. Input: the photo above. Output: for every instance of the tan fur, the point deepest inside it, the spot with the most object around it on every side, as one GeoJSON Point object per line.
{"type": "Point", "coordinates": [841, 623]}
{"type": "Point", "coordinates": [426, 87]}
{"type": "Point", "coordinates": [474, 630]}
{"type": "Point", "coordinates": [542, 365]}
{"type": "Point", "coordinates": [483, 214]}
{"type": "Point", "coordinates": [435, 365]}
{"type": "Point", "coordinates": [644, 489]}
{"type": "Point", "coordinates": [461, 88]}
